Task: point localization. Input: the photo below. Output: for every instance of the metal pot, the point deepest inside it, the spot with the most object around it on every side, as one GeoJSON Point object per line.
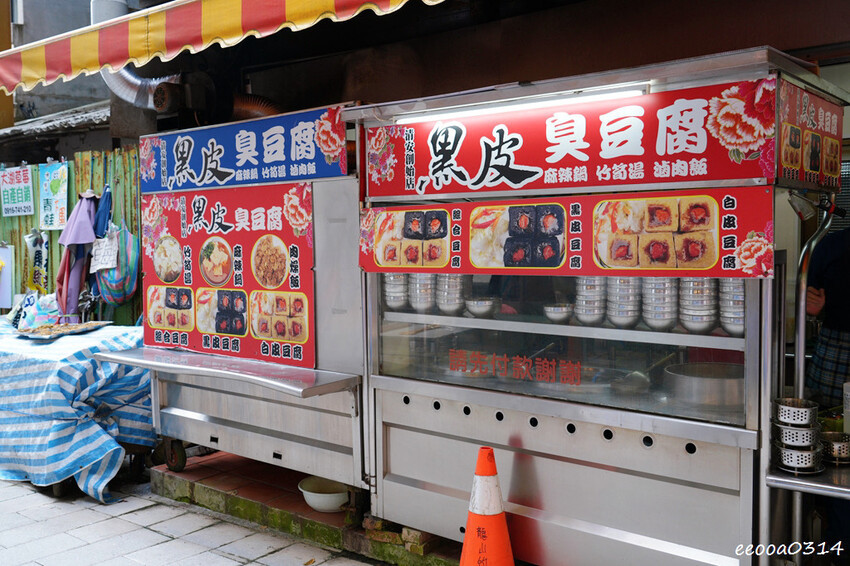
{"type": "Point", "coordinates": [706, 384]}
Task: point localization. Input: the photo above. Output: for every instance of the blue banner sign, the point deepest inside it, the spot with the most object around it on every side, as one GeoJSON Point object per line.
{"type": "Point", "coordinates": [279, 149]}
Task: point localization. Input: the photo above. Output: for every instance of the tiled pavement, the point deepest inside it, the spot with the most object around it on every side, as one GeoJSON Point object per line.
{"type": "Point", "coordinates": [143, 528]}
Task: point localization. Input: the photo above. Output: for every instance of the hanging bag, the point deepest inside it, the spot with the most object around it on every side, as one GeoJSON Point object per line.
{"type": "Point", "coordinates": [117, 285]}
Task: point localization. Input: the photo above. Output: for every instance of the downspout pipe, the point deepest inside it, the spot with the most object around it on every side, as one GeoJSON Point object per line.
{"type": "Point", "coordinates": [125, 83]}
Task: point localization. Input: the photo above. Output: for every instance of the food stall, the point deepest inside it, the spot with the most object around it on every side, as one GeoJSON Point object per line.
{"type": "Point", "coordinates": [252, 294]}
{"type": "Point", "coordinates": [580, 274]}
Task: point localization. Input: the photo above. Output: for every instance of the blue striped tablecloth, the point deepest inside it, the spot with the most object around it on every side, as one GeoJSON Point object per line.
{"type": "Point", "coordinates": [63, 413]}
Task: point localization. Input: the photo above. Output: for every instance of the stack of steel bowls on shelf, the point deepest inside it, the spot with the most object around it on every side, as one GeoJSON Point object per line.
{"type": "Point", "coordinates": [590, 300]}
{"type": "Point", "coordinates": [623, 308]}
{"type": "Point", "coordinates": [698, 304]}
{"type": "Point", "coordinates": [796, 436]}
{"type": "Point", "coordinates": [422, 291]}
{"type": "Point", "coordinates": [395, 290]}
{"type": "Point", "coordinates": [732, 306]}
{"type": "Point", "coordinates": [451, 292]}
{"type": "Point", "coordinates": [660, 302]}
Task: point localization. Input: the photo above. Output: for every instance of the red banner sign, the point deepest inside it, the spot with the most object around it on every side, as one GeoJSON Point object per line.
{"type": "Point", "coordinates": [230, 272]}
{"type": "Point", "coordinates": [708, 233]}
{"type": "Point", "coordinates": [810, 137]}
{"type": "Point", "coordinates": [700, 134]}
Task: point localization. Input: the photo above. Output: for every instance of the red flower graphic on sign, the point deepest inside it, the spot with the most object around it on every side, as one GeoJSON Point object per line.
{"type": "Point", "coordinates": [330, 137]}
{"type": "Point", "coordinates": [755, 254]}
{"type": "Point", "coordinates": [298, 210]}
{"type": "Point", "coordinates": [743, 118]}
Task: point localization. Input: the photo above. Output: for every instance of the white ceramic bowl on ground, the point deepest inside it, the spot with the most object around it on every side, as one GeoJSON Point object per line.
{"type": "Point", "coordinates": [324, 495]}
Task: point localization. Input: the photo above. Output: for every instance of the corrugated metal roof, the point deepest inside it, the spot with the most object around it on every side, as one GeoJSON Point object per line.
{"type": "Point", "coordinates": [96, 114]}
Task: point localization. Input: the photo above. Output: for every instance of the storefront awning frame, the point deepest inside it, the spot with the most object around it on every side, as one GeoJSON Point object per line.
{"type": "Point", "coordinates": [167, 30]}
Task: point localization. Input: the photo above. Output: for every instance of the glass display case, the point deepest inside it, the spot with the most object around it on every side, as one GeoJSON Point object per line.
{"type": "Point", "coordinates": [665, 346]}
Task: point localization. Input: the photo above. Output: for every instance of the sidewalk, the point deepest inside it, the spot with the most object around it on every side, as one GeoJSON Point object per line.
{"type": "Point", "coordinates": [75, 530]}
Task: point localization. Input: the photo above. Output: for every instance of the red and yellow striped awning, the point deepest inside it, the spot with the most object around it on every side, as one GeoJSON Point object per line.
{"type": "Point", "coordinates": [165, 31]}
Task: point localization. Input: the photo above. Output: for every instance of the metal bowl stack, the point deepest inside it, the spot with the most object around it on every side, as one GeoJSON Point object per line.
{"type": "Point", "coordinates": [395, 290]}
{"type": "Point", "coordinates": [796, 436]}
{"type": "Point", "coordinates": [623, 308]}
{"type": "Point", "coordinates": [451, 292]}
{"type": "Point", "coordinates": [731, 303]}
{"type": "Point", "coordinates": [660, 297]}
{"type": "Point", "coordinates": [590, 300]}
{"type": "Point", "coordinates": [698, 304]}
{"type": "Point", "coordinates": [422, 291]}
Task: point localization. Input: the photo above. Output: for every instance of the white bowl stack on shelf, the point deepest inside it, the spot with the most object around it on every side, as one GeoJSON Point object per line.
{"type": "Point", "coordinates": [731, 303]}
{"type": "Point", "coordinates": [590, 300]}
{"type": "Point", "coordinates": [698, 304]}
{"type": "Point", "coordinates": [395, 290]}
{"type": "Point", "coordinates": [660, 302]}
{"type": "Point", "coordinates": [422, 291]}
{"type": "Point", "coordinates": [623, 307]}
{"type": "Point", "coordinates": [451, 292]}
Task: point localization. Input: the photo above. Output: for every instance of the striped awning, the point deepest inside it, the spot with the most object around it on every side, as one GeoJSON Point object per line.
{"type": "Point", "coordinates": [167, 30]}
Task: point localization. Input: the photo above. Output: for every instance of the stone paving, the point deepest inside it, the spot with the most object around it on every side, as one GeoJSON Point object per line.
{"type": "Point", "coordinates": [37, 528]}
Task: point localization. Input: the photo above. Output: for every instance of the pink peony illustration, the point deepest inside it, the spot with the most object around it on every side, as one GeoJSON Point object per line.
{"type": "Point", "coordinates": [381, 158]}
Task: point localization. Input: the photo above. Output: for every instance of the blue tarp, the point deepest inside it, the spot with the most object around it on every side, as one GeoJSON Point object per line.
{"type": "Point", "coordinates": [64, 414]}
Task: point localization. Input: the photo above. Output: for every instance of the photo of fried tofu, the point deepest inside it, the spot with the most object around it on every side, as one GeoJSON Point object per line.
{"type": "Point", "coordinates": [297, 304]}
{"type": "Point", "coordinates": [831, 157]}
{"type": "Point", "coordinates": [811, 151]}
{"type": "Point", "coordinates": [622, 250]}
{"type": "Point", "coordinates": [185, 319]}
{"type": "Point", "coordinates": [661, 215]}
{"type": "Point", "coordinates": [264, 326]}
{"type": "Point", "coordinates": [656, 251]}
{"type": "Point", "coordinates": [297, 329]}
{"type": "Point", "coordinates": [279, 327]}
{"type": "Point", "coordinates": [791, 146]}
{"type": "Point", "coordinates": [170, 318]}
{"type": "Point", "coordinates": [411, 252]}
{"type": "Point", "coordinates": [435, 253]}
{"type": "Point", "coordinates": [697, 213]}
{"type": "Point", "coordinates": [281, 304]}
{"type": "Point", "coordinates": [388, 252]}
{"type": "Point", "coordinates": [695, 250]}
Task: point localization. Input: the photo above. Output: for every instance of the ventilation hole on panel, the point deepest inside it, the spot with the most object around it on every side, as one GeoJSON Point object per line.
{"type": "Point", "coordinates": [500, 416]}
{"type": "Point", "coordinates": [607, 434]}
{"type": "Point", "coordinates": [437, 405]}
{"type": "Point", "coordinates": [533, 422]}
{"type": "Point", "coordinates": [405, 400]}
{"type": "Point", "coordinates": [462, 530]}
{"type": "Point", "coordinates": [466, 410]}
{"type": "Point", "coordinates": [647, 441]}
{"type": "Point", "coordinates": [690, 448]}
{"type": "Point", "coordinates": [571, 428]}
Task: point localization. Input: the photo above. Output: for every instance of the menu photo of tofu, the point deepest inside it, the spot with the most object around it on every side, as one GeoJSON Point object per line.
{"type": "Point", "coordinates": [658, 232]}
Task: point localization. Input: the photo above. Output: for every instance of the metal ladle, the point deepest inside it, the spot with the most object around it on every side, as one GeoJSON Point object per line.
{"type": "Point", "coordinates": [637, 381]}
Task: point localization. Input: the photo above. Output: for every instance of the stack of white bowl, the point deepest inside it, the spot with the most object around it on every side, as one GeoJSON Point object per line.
{"type": "Point", "coordinates": [395, 290]}
{"type": "Point", "coordinates": [422, 291]}
{"type": "Point", "coordinates": [590, 300]}
{"type": "Point", "coordinates": [732, 306]}
{"type": "Point", "coordinates": [698, 304]}
{"type": "Point", "coordinates": [623, 308]}
{"type": "Point", "coordinates": [660, 302]}
{"type": "Point", "coordinates": [451, 292]}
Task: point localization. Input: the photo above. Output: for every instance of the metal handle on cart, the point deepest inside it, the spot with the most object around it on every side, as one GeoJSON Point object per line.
{"type": "Point", "coordinates": [800, 346]}
{"type": "Point", "coordinates": [802, 283]}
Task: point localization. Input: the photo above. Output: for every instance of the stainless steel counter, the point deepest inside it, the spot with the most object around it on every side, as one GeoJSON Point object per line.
{"type": "Point", "coordinates": [296, 381]}
{"type": "Point", "coordinates": [834, 481]}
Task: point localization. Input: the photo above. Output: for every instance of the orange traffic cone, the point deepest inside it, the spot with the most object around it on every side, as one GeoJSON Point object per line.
{"type": "Point", "coordinates": [486, 540]}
